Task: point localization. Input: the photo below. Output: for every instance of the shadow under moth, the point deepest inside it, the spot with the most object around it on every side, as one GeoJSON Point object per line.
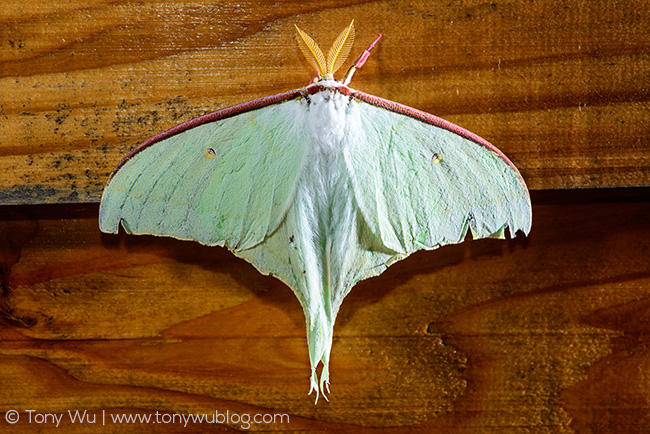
{"type": "Point", "coordinates": [320, 186]}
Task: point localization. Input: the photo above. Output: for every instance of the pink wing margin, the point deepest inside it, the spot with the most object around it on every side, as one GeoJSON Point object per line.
{"type": "Point", "coordinates": [312, 89]}
{"type": "Point", "coordinates": [210, 117]}
{"type": "Point", "coordinates": [429, 119]}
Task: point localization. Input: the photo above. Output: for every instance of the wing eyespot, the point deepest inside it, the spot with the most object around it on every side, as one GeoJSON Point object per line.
{"type": "Point", "coordinates": [210, 154]}
{"type": "Point", "coordinates": [436, 158]}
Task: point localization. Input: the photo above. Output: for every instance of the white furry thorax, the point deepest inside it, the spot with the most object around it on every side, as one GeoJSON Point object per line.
{"type": "Point", "coordinates": [327, 118]}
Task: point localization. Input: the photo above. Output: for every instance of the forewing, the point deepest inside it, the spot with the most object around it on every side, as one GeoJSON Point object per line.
{"type": "Point", "coordinates": [421, 182]}
{"type": "Point", "coordinates": [228, 181]}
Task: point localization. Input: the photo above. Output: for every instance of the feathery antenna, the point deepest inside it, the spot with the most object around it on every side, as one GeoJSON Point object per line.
{"type": "Point", "coordinates": [340, 49]}
{"type": "Point", "coordinates": [312, 52]}
{"type": "Point", "coordinates": [336, 55]}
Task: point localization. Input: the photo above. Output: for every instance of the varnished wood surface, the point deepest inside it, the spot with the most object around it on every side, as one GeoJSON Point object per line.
{"type": "Point", "coordinates": [560, 87]}
{"type": "Point", "coordinates": [541, 334]}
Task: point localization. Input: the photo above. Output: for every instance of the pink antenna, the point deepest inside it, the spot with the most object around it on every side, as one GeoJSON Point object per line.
{"type": "Point", "coordinates": [364, 56]}
{"type": "Point", "coordinates": [360, 61]}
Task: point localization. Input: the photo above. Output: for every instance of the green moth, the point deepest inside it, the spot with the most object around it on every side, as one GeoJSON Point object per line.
{"type": "Point", "coordinates": [320, 186]}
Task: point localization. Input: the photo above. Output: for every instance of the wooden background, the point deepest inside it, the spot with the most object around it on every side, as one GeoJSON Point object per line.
{"type": "Point", "coordinates": [547, 333]}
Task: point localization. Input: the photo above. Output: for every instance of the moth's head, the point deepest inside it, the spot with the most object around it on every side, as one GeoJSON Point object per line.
{"type": "Point", "coordinates": [337, 54]}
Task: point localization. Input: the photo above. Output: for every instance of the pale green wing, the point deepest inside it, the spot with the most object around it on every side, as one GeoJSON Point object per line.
{"type": "Point", "coordinates": [225, 182]}
{"type": "Point", "coordinates": [421, 182]}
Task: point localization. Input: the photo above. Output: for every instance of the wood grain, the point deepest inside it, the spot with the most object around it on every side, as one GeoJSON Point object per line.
{"type": "Point", "coordinates": [560, 87]}
{"type": "Point", "coordinates": [541, 334]}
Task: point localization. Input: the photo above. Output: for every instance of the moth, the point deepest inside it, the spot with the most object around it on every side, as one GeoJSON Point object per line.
{"type": "Point", "coordinates": [321, 186]}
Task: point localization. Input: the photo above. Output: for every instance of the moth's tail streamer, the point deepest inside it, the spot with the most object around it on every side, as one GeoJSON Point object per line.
{"type": "Point", "coordinates": [320, 387]}
{"type": "Point", "coordinates": [319, 339]}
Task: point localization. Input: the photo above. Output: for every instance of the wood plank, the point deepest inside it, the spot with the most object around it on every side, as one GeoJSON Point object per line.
{"type": "Point", "coordinates": [559, 87]}
{"type": "Point", "coordinates": [546, 333]}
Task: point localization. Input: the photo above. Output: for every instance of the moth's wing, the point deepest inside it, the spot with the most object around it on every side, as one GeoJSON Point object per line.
{"type": "Point", "coordinates": [421, 182]}
{"type": "Point", "coordinates": [227, 178]}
